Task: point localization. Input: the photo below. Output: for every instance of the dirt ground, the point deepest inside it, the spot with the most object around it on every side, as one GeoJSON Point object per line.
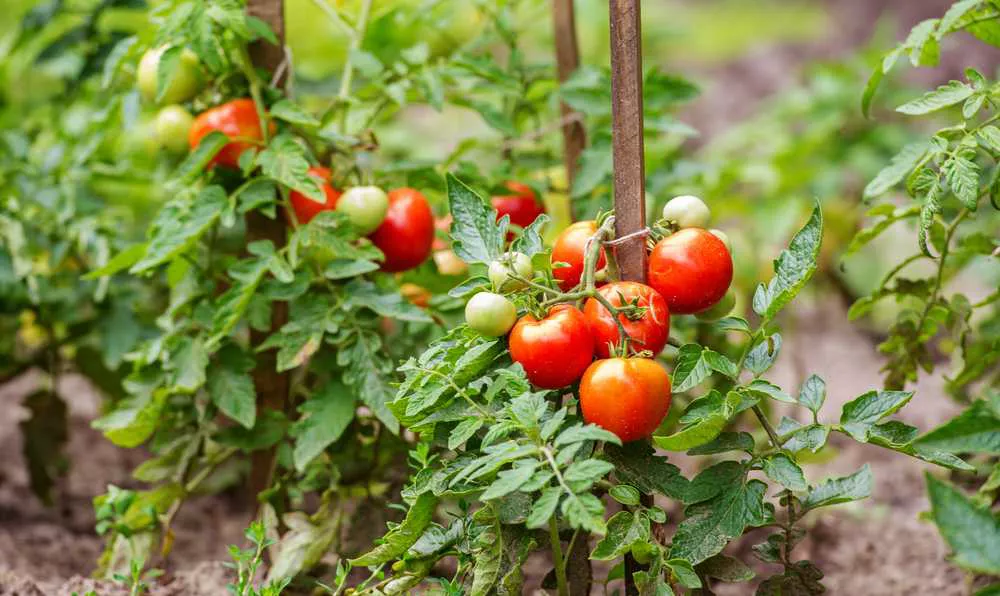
{"type": "Point", "coordinates": [877, 547]}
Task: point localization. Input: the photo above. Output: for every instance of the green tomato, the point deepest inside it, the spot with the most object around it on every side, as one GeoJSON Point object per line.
{"type": "Point", "coordinates": [490, 314]}
{"type": "Point", "coordinates": [725, 239]}
{"type": "Point", "coordinates": [172, 126]}
{"type": "Point", "coordinates": [512, 262]}
{"type": "Point", "coordinates": [365, 206]}
{"type": "Point", "coordinates": [184, 84]}
{"type": "Point", "coordinates": [720, 309]}
{"type": "Point", "coordinates": [687, 211]}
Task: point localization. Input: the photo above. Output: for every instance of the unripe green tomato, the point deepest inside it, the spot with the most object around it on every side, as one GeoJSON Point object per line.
{"type": "Point", "coordinates": [365, 206]}
{"type": "Point", "coordinates": [720, 309]}
{"type": "Point", "coordinates": [172, 125]}
{"type": "Point", "coordinates": [517, 263]}
{"type": "Point", "coordinates": [490, 314]}
{"type": "Point", "coordinates": [725, 239]}
{"type": "Point", "coordinates": [643, 552]}
{"type": "Point", "coordinates": [184, 84]}
{"type": "Point", "coordinates": [687, 211]}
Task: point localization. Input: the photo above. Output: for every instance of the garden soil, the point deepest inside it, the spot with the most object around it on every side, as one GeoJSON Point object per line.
{"type": "Point", "coordinates": [878, 547]}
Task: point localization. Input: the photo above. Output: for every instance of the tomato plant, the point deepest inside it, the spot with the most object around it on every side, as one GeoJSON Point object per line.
{"type": "Point", "coordinates": [238, 120]}
{"type": "Point", "coordinates": [627, 396]}
{"type": "Point", "coordinates": [569, 251]}
{"type": "Point", "coordinates": [692, 269]}
{"type": "Point", "coordinates": [306, 208]}
{"type": "Point", "coordinates": [406, 234]}
{"type": "Point", "coordinates": [555, 349]}
{"type": "Point", "coordinates": [647, 324]}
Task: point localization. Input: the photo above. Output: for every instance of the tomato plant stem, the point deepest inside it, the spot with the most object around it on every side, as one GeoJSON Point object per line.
{"type": "Point", "coordinates": [557, 557]}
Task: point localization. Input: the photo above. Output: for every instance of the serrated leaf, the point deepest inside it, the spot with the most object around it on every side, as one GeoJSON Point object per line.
{"type": "Point", "coordinates": [853, 487]}
{"type": "Point", "coordinates": [972, 532]}
{"type": "Point", "coordinates": [290, 112]}
{"type": "Point", "coordinates": [347, 268]}
{"type": "Point", "coordinates": [762, 356]}
{"type": "Point", "coordinates": [231, 388]}
{"type": "Point", "coordinates": [179, 225]}
{"type": "Point", "coordinates": [587, 471]}
{"type": "Point", "coordinates": [400, 539]}
{"type": "Point", "coordinates": [476, 234]}
{"type": "Point", "coordinates": [589, 432]}
{"type": "Point", "coordinates": [284, 161]}
{"type": "Point", "coordinates": [685, 573]}
{"type": "Point", "coordinates": [725, 568]}
{"type": "Point", "coordinates": [694, 364]}
{"type": "Point", "coordinates": [733, 324]}
{"type": "Point", "coordinates": [726, 441]}
{"type": "Point", "coordinates": [529, 241]}
{"type": "Point", "coordinates": [783, 470]}
{"type": "Point", "coordinates": [509, 481]}
{"type": "Point", "coordinates": [899, 167]}
{"type": "Point", "coordinates": [792, 269]}
{"type": "Point", "coordinates": [864, 411]}
{"type": "Point", "coordinates": [324, 417]}
{"type": "Point", "coordinates": [813, 393]}
{"type": "Point", "coordinates": [198, 160]}
{"type": "Point", "coordinates": [624, 529]}
{"type": "Point", "coordinates": [710, 525]}
{"type": "Point", "coordinates": [766, 389]}
{"type": "Point", "coordinates": [584, 511]}
{"type": "Point", "coordinates": [463, 432]}
{"type": "Point", "coordinates": [976, 430]}
{"type": "Point", "coordinates": [962, 176]}
{"type": "Point", "coordinates": [543, 507]}
{"type": "Point", "coordinates": [638, 465]}
{"type": "Point", "coordinates": [949, 94]}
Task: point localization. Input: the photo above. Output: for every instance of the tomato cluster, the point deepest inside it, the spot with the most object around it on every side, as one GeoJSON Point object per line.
{"type": "Point", "coordinates": [400, 223]}
{"type": "Point", "coordinates": [623, 324]}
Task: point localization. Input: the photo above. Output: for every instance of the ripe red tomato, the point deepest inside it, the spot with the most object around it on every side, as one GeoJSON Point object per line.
{"type": "Point", "coordinates": [570, 247]}
{"type": "Point", "coordinates": [647, 333]}
{"type": "Point", "coordinates": [522, 206]}
{"type": "Point", "coordinates": [555, 350]}
{"type": "Point", "coordinates": [238, 120]}
{"type": "Point", "coordinates": [407, 232]}
{"type": "Point", "coordinates": [692, 269]}
{"type": "Point", "coordinates": [627, 396]}
{"type": "Point", "coordinates": [306, 208]}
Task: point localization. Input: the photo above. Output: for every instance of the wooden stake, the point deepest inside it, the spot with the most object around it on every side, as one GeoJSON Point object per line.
{"type": "Point", "coordinates": [629, 164]}
{"type": "Point", "coordinates": [627, 128]}
{"type": "Point", "coordinates": [567, 61]}
{"type": "Point", "coordinates": [272, 387]}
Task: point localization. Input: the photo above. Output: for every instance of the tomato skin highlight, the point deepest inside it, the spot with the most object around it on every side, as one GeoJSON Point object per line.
{"type": "Point", "coordinates": [692, 269]}
{"type": "Point", "coordinates": [570, 247]}
{"type": "Point", "coordinates": [648, 333]}
{"type": "Point", "coordinates": [406, 234]}
{"type": "Point", "coordinates": [522, 206]}
{"type": "Point", "coordinates": [306, 208]}
{"type": "Point", "coordinates": [554, 351]}
{"type": "Point", "coordinates": [237, 120]}
{"type": "Point", "coordinates": [627, 396]}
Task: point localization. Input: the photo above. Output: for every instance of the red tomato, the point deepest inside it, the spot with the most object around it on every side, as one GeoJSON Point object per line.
{"type": "Point", "coordinates": [627, 396]}
{"type": "Point", "coordinates": [647, 333]}
{"type": "Point", "coordinates": [570, 247]}
{"type": "Point", "coordinates": [554, 351]}
{"type": "Point", "coordinates": [236, 119]}
{"type": "Point", "coordinates": [407, 233]}
{"type": "Point", "coordinates": [692, 269]}
{"type": "Point", "coordinates": [522, 206]}
{"type": "Point", "coordinates": [306, 208]}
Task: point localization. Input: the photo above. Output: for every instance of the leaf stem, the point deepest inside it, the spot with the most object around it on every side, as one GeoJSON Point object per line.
{"type": "Point", "coordinates": [771, 433]}
{"type": "Point", "coordinates": [557, 557]}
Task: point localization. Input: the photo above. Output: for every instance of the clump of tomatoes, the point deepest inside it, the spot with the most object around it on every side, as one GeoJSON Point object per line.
{"type": "Point", "coordinates": [606, 337]}
{"type": "Point", "coordinates": [400, 223]}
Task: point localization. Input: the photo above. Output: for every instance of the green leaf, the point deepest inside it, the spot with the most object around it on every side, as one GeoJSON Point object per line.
{"type": "Point", "coordinates": [990, 137]}
{"type": "Point", "coordinates": [733, 324]}
{"type": "Point", "coordinates": [854, 487]}
{"type": "Point", "coordinates": [530, 241]}
{"type": "Point", "coordinates": [763, 354]}
{"type": "Point", "coordinates": [590, 432]}
{"type": "Point", "coordinates": [726, 441]}
{"type": "Point", "coordinates": [584, 511]}
{"type": "Point", "coordinates": [962, 175]}
{"type": "Point", "coordinates": [587, 471]}
{"type": "Point", "coordinates": [477, 236]}
{"type": "Point", "coordinates": [120, 262]}
{"type": "Point", "coordinates": [952, 93]}
{"type": "Point", "coordinates": [198, 160]}
{"type": "Point", "coordinates": [696, 434]}
{"type": "Point", "coordinates": [812, 437]}
{"type": "Point", "coordinates": [624, 530]}
{"type": "Point", "coordinates": [860, 414]}
{"type": "Point", "coordinates": [179, 224]}
{"type": "Point", "coordinates": [766, 389]}
{"type": "Point", "coordinates": [188, 365]}
{"type": "Point", "coordinates": [365, 362]}
{"type": "Point", "coordinates": [710, 525]}
{"type": "Point", "coordinates": [638, 465]}
{"type": "Point", "coordinates": [972, 532]}
{"type": "Point", "coordinates": [290, 112]}
{"type": "Point", "coordinates": [543, 507]}
{"type": "Point", "coordinates": [362, 293]}
{"type": "Point", "coordinates": [625, 494]}
{"type": "Point", "coordinates": [509, 481]}
{"type": "Point", "coordinates": [324, 417]}
{"type": "Point", "coordinates": [230, 387]}
{"type": "Point", "coordinates": [400, 539]}
{"type": "Point", "coordinates": [284, 161]}
{"type": "Point", "coordinates": [725, 568]}
{"type": "Point", "coordinates": [347, 268]}
{"type": "Point", "coordinates": [976, 430]}
{"type": "Point", "coordinates": [695, 364]}
{"type": "Point", "coordinates": [813, 394]}
{"type": "Point", "coordinates": [685, 573]}
{"type": "Point", "coordinates": [713, 480]}
{"type": "Point", "coordinates": [783, 470]}
{"type": "Point", "coordinates": [463, 432]}
{"type": "Point", "coordinates": [792, 269]}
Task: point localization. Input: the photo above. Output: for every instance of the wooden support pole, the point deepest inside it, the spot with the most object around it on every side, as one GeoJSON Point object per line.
{"type": "Point", "coordinates": [627, 128]}
{"type": "Point", "coordinates": [629, 164]}
{"type": "Point", "coordinates": [272, 387]}
{"type": "Point", "coordinates": [567, 61]}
